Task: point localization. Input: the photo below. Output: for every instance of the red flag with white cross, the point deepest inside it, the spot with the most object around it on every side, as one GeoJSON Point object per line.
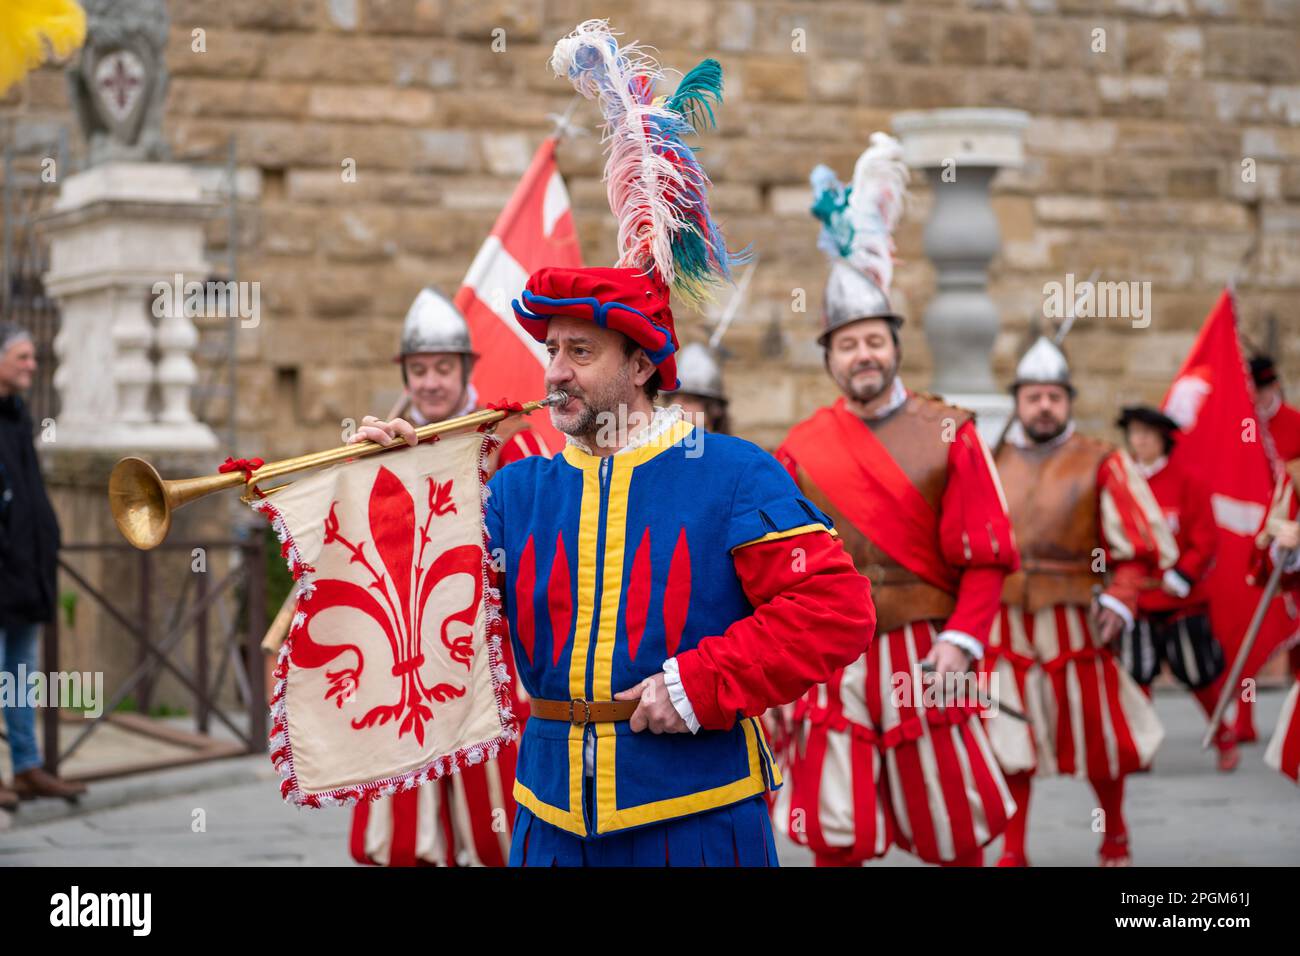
{"type": "Point", "coordinates": [534, 230]}
{"type": "Point", "coordinates": [1223, 440]}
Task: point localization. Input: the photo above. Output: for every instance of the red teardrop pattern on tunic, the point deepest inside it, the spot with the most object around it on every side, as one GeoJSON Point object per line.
{"type": "Point", "coordinates": [525, 581]}
{"type": "Point", "coordinates": [677, 596]}
{"type": "Point", "coordinates": [559, 600]}
{"type": "Point", "coordinates": [638, 595]}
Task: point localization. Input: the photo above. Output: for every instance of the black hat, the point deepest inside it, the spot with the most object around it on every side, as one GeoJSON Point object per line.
{"type": "Point", "coordinates": [1262, 370]}
{"type": "Point", "coordinates": [1147, 416]}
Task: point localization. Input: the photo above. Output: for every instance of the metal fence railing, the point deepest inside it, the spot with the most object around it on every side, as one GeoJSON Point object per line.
{"type": "Point", "coordinates": [220, 656]}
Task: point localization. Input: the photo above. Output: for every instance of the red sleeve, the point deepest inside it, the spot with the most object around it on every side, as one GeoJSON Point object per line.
{"type": "Point", "coordinates": [979, 595]}
{"type": "Point", "coordinates": [812, 615]}
{"type": "Point", "coordinates": [1126, 583]}
{"type": "Point", "coordinates": [1285, 429]}
{"type": "Point", "coordinates": [1284, 506]}
{"type": "Point", "coordinates": [975, 533]}
{"type": "Point", "coordinates": [787, 462]}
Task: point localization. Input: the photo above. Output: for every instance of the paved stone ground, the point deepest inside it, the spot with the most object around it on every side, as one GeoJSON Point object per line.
{"type": "Point", "coordinates": [1183, 814]}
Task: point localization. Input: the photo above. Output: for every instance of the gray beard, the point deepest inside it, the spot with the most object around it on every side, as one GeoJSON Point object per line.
{"type": "Point", "coordinates": [586, 423]}
{"type": "Point", "coordinates": [578, 426]}
{"type": "Point", "coordinates": [865, 395]}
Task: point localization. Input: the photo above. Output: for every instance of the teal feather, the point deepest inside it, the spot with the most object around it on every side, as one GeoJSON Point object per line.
{"type": "Point", "coordinates": [697, 93]}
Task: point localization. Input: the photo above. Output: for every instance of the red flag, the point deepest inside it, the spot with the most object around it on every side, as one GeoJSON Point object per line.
{"type": "Point", "coordinates": [535, 229]}
{"type": "Point", "coordinates": [1222, 440]}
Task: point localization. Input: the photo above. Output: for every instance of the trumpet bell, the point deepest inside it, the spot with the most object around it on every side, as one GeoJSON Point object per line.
{"type": "Point", "coordinates": [142, 502]}
{"type": "Point", "coordinates": [138, 499]}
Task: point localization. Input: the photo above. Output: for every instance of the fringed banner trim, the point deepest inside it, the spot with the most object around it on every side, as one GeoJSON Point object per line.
{"type": "Point", "coordinates": [281, 749]}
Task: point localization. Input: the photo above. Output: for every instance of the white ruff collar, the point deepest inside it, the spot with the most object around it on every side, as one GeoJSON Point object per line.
{"type": "Point", "coordinates": [1272, 409]}
{"type": "Point", "coordinates": [664, 419]}
{"type": "Point", "coordinates": [1017, 436]}
{"type": "Point", "coordinates": [1154, 468]}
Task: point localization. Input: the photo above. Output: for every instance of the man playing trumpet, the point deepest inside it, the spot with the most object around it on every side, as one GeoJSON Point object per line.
{"type": "Point", "coordinates": [463, 819]}
{"type": "Point", "coordinates": [662, 591]}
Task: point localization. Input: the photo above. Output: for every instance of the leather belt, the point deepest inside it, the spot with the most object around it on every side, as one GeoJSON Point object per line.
{"type": "Point", "coordinates": [1079, 565]}
{"type": "Point", "coordinates": [582, 712]}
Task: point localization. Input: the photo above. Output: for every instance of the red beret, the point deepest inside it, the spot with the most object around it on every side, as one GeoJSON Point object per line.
{"type": "Point", "coordinates": [625, 300]}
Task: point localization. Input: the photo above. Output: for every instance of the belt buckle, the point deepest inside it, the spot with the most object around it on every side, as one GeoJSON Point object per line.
{"type": "Point", "coordinates": [586, 712]}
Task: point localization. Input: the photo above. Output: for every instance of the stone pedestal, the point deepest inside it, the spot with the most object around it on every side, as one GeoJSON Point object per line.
{"type": "Point", "coordinates": [961, 150]}
{"type": "Point", "coordinates": [125, 367]}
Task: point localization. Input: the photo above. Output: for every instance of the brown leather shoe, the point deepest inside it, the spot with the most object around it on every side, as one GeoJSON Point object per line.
{"type": "Point", "coordinates": [8, 798]}
{"type": "Point", "coordinates": [36, 782]}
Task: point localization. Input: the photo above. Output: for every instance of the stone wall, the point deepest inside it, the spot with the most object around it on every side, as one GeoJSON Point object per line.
{"type": "Point", "coordinates": [1134, 166]}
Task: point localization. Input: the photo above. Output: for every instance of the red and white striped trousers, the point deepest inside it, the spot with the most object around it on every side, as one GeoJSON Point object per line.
{"type": "Point", "coordinates": [1086, 716]}
{"type": "Point", "coordinates": [870, 768]}
{"type": "Point", "coordinates": [463, 819]}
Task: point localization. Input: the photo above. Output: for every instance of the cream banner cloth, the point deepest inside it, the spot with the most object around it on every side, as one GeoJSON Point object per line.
{"type": "Point", "coordinates": [391, 674]}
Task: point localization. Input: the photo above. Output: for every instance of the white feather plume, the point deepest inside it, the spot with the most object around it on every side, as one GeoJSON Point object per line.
{"type": "Point", "coordinates": [657, 189]}
{"type": "Point", "coordinates": [876, 204]}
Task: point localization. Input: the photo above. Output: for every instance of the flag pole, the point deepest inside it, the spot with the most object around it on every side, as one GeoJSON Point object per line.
{"type": "Point", "coordinates": [564, 125]}
{"type": "Point", "coordinates": [1252, 632]}
{"type": "Point", "coordinates": [1246, 257]}
{"type": "Point", "coordinates": [733, 305]}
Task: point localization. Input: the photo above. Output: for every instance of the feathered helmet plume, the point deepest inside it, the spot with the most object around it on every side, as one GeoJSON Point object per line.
{"type": "Point", "coordinates": [657, 188]}
{"type": "Point", "coordinates": [858, 223]}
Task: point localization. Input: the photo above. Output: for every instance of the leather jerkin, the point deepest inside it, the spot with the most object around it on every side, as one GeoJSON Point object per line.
{"type": "Point", "coordinates": [914, 437]}
{"type": "Point", "coordinates": [1052, 499]}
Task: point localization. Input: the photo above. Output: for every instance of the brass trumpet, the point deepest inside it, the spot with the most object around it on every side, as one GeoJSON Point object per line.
{"type": "Point", "coordinates": [142, 501]}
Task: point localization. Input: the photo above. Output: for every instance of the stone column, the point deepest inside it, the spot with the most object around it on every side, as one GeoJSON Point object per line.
{"type": "Point", "coordinates": [126, 370]}
{"type": "Point", "coordinates": [961, 150]}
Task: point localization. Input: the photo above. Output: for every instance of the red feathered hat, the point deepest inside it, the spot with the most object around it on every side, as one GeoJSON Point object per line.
{"type": "Point", "coordinates": [625, 300]}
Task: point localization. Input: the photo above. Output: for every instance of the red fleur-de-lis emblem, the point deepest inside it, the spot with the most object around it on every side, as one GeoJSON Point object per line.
{"type": "Point", "coordinates": [395, 598]}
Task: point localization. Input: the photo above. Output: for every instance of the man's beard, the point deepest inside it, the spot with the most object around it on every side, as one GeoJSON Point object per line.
{"type": "Point", "coordinates": [864, 392]}
{"type": "Point", "coordinates": [1043, 430]}
{"type": "Point", "coordinates": [596, 405]}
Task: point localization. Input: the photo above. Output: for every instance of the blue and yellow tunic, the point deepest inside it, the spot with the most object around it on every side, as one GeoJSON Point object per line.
{"type": "Point", "coordinates": [611, 566]}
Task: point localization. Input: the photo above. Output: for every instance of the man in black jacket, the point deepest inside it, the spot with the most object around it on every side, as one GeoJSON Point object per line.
{"type": "Point", "coordinates": [29, 547]}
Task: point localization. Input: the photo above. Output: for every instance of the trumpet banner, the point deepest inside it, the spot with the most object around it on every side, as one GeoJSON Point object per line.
{"type": "Point", "coordinates": [392, 671]}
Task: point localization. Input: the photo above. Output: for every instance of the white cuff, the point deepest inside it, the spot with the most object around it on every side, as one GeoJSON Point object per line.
{"type": "Point", "coordinates": [1292, 564]}
{"type": "Point", "coordinates": [1112, 603]}
{"type": "Point", "coordinates": [677, 694]}
{"type": "Point", "coordinates": [1175, 582]}
{"type": "Point", "coordinates": [963, 640]}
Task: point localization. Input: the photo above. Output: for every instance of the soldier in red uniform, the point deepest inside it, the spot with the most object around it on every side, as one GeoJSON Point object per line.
{"type": "Point", "coordinates": [1173, 622]}
{"type": "Point", "coordinates": [462, 819]}
{"type": "Point", "coordinates": [1279, 540]}
{"type": "Point", "coordinates": [911, 488]}
{"type": "Point", "coordinates": [1283, 419]}
{"type": "Point", "coordinates": [1083, 514]}
{"type": "Point", "coordinates": [1284, 430]}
